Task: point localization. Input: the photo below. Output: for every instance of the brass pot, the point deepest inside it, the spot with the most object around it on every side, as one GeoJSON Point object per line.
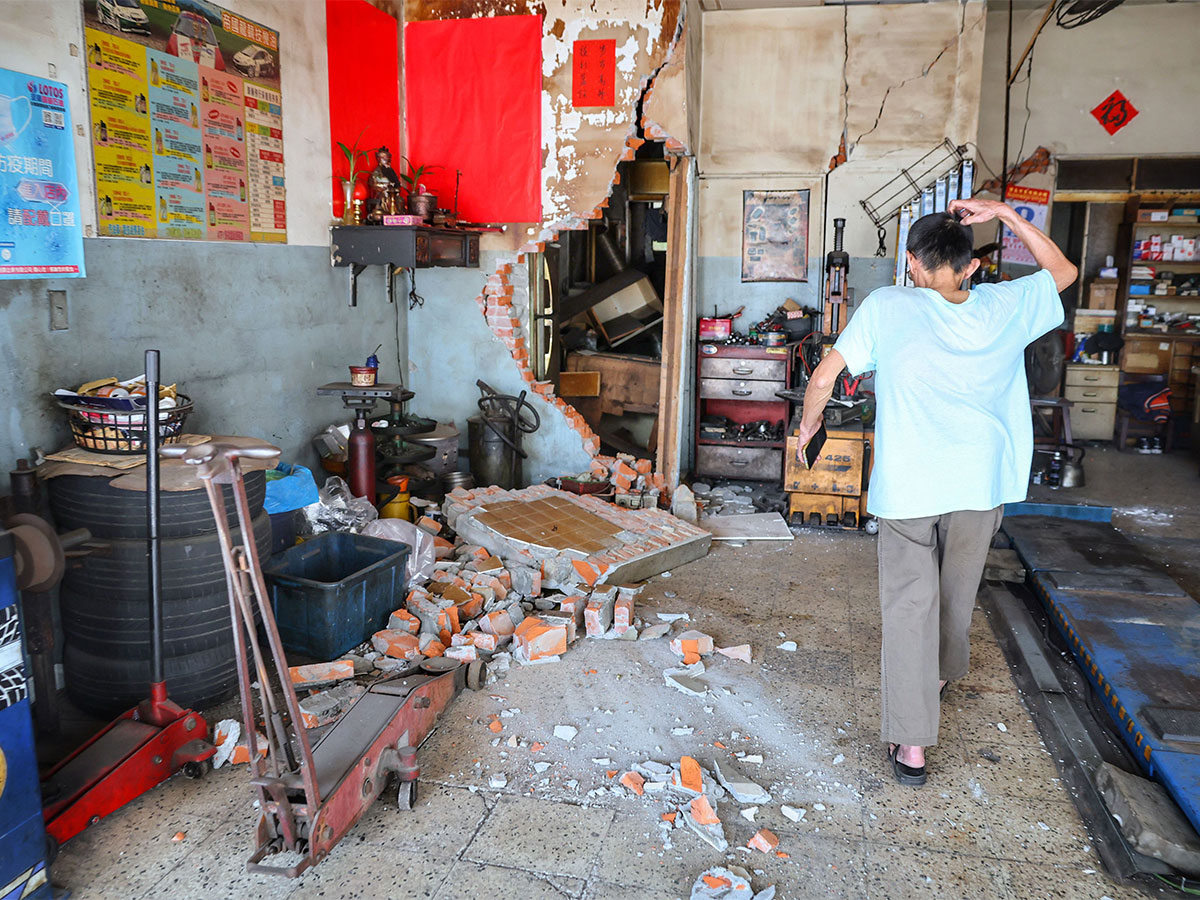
{"type": "Point", "coordinates": [422, 205]}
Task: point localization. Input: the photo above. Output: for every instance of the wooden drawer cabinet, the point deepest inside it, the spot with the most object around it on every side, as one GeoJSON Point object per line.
{"type": "Point", "coordinates": [1086, 394]}
{"type": "Point", "coordinates": [728, 389]}
{"type": "Point", "coordinates": [1093, 421]}
{"type": "Point", "coordinates": [1093, 376]}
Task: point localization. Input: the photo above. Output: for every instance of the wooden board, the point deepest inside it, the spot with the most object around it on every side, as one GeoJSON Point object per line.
{"type": "Point", "coordinates": [579, 384]}
{"type": "Point", "coordinates": [753, 527]}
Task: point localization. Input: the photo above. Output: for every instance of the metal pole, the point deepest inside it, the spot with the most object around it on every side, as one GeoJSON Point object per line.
{"type": "Point", "coordinates": [1004, 161]}
{"type": "Point", "coordinates": [152, 516]}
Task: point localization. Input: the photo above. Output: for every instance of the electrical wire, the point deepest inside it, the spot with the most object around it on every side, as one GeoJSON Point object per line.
{"type": "Point", "coordinates": [399, 350]}
{"type": "Point", "coordinates": [414, 299]}
{"type": "Point", "coordinates": [1028, 111]}
{"type": "Point", "coordinates": [979, 156]}
{"type": "Point", "coordinates": [1181, 886]}
{"type": "Point", "coordinates": [1081, 12]}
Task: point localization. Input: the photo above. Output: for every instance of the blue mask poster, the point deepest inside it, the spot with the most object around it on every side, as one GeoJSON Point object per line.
{"type": "Point", "coordinates": [41, 234]}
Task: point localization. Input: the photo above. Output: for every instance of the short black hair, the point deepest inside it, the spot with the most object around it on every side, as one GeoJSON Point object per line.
{"type": "Point", "coordinates": [939, 239]}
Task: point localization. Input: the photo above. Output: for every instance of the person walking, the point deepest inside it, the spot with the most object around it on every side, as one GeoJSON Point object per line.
{"type": "Point", "coordinates": [953, 443]}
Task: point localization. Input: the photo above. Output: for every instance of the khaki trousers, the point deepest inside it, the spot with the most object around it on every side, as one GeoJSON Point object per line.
{"type": "Point", "coordinates": [929, 573]}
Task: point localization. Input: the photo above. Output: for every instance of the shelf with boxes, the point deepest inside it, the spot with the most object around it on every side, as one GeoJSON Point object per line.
{"type": "Point", "coordinates": [1159, 279]}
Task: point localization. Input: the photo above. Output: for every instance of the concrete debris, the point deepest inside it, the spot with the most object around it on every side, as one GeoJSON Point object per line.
{"type": "Point", "coordinates": [324, 707]}
{"type": "Point", "coordinates": [741, 652]}
{"type": "Point", "coordinates": [498, 781]}
{"type": "Point", "coordinates": [700, 817]}
{"type": "Point", "coordinates": [679, 732]}
{"type": "Point", "coordinates": [727, 883]}
{"type": "Point", "coordinates": [654, 632]}
{"type": "Point", "coordinates": [793, 813]}
{"type": "Point", "coordinates": [231, 748]}
{"type": "Point", "coordinates": [789, 646]}
{"type": "Point", "coordinates": [687, 684]}
{"type": "Point", "coordinates": [749, 813]}
{"type": "Point", "coordinates": [673, 617]}
{"type": "Point", "coordinates": [541, 767]}
{"type": "Point", "coordinates": [565, 732]}
{"type": "Point", "coordinates": [742, 788]}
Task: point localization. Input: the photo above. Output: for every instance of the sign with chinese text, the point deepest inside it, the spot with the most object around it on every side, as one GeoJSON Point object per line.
{"type": "Point", "coordinates": [593, 73]}
{"type": "Point", "coordinates": [1114, 112]}
{"type": "Point", "coordinates": [774, 235]}
{"type": "Point", "coordinates": [1031, 204]}
{"type": "Point", "coordinates": [41, 235]}
{"type": "Point", "coordinates": [187, 122]}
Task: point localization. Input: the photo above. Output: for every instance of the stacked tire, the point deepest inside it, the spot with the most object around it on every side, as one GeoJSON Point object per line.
{"type": "Point", "coordinates": [105, 595]}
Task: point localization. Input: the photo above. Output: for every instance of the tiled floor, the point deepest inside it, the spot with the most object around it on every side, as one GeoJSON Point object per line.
{"type": "Point", "coordinates": [979, 829]}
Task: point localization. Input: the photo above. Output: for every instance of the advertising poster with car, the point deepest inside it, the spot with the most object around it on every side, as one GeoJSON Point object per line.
{"type": "Point", "coordinates": [41, 235]}
{"type": "Point", "coordinates": [175, 123]}
{"type": "Point", "coordinates": [192, 92]}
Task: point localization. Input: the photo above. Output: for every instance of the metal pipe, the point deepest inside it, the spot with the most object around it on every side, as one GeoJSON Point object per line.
{"type": "Point", "coordinates": [153, 509]}
{"type": "Point", "coordinates": [1007, 115]}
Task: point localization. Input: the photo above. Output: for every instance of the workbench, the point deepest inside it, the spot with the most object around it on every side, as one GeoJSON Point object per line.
{"type": "Point", "coordinates": [834, 491]}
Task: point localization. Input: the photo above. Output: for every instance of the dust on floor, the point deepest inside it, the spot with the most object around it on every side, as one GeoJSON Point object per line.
{"type": "Point", "coordinates": [994, 820]}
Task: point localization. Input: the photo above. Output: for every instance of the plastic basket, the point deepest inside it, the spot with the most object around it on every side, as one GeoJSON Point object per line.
{"type": "Point", "coordinates": [123, 433]}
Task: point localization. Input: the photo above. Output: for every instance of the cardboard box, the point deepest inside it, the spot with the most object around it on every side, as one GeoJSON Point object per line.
{"type": "Point", "coordinates": [1088, 321]}
{"type": "Point", "coordinates": [1153, 215]}
{"type": "Point", "coordinates": [1102, 294]}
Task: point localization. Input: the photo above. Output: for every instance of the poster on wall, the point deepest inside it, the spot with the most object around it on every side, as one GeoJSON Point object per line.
{"type": "Point", "coordinates": [1032, 204]}
{"type": "Point", "coordinates": [594, 73]}
{"type": "Point", "coordinates": [41, 235]}
{"type": "Point", "coordinates": [774, 235]}
{"type": "Point", "coordinates": [187, 121]}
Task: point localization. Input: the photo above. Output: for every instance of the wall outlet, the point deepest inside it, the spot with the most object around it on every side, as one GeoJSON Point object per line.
{"type": "Point", "coordinates": [58, 310]}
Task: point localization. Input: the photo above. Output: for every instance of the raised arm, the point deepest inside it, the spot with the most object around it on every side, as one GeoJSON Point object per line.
{"type": "Point", "coordinates": [1044, 250]}
{"type": "Point", "coordinates": [816, 396]}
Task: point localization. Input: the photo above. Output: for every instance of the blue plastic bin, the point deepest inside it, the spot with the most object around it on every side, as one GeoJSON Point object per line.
{"type": "Point", "coordinates": [334, 591]}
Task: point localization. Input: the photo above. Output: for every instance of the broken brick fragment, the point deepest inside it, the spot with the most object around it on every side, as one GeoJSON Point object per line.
{"type": "Point", "coordinates": [403, 620]}
{"type": "Point", "coordinates": [397, 644]}
{"type": "Point", "coordinates": [703, 812]}
{"type": "Point", "coordinates": [634, 782]}
{"type": "Point", "coordinates": [692, 642]}
{"type": "Point", "coordinates": [716, 882]}
{"type": "Point", "coordinates": [764, 840]}
{"type": "Point", "coordinates": [425, 523]}
{"type": "Point", "coordinates": [598, 617]}
{"type": "Point", "coordinates": [497, 622]}
{"type": "Point", "coordinates": [434, 648]}
{"type": "Point", "coordinates": [622, 614]}
{"type": "Point", "coordinates": [689, 775]}
{"type": "Point", "coordinates": [669, 817]}
{"type": "Point", "coordinates": [537, 638]}
{"type": "Point", "coordinates": [741, 652]}
{"type": "Point", "coordinates": [321, 673]}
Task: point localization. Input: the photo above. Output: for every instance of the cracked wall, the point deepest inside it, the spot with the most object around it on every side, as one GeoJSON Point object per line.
{"type": "Point", "coordinates": [784, 91]}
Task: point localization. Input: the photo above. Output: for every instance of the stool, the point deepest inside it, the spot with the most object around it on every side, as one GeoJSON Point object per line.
{"type": "Point", "coordinates": [1125, 421]}
{"type": "Point", "coordinates": [1060, 417]}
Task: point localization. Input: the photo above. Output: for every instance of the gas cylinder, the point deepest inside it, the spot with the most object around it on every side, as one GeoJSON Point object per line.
{"type": "Point", "coordinates": [360, 458]}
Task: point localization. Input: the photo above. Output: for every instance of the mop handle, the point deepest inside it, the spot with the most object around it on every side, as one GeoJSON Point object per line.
{"type": "Point", "coordinates": [153, 509]}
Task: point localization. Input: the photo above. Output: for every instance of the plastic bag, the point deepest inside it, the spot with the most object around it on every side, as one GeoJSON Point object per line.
{"type": "Point", "coordinates": [422, 555]}
{"type": "Point", "coordinates": [289, 488]}
{"type": "Point", "coordinates": [337, 509]}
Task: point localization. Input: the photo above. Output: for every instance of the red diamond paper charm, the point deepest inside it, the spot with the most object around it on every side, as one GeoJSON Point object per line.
{"type": "Point", "coordinates": [1114, 112]}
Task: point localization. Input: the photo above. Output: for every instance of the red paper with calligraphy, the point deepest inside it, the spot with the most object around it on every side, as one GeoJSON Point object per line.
{"type": "Point", "coordinates": [593, 73]}
{"type": "Point", "coordinates": [1114, 112]}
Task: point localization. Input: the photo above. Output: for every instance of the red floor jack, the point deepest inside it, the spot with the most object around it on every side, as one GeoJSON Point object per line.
{"type": "Point", "coordinates": [310, 795]}
{"type": "Point", "coordinates": [148, 744]}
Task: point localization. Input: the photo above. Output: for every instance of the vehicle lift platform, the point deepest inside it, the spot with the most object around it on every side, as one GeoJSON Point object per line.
{"type": "Point", "coordinates": [1134, 634]}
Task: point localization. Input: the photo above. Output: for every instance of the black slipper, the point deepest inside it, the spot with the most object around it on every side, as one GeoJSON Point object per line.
{"type": "Point", "coordinates": [942, 691]}
{"type": "Point", "coordinates": [905, 774]}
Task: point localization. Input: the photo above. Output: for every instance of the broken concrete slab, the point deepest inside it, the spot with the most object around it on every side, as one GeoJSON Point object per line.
{"type": "Point", "coordinates": [654, 632]}
{"type": "Point", "coordinates": [688, 684]}
{"type": "Point", "coordinates": [727, 883]}
{"type": "Point", "coordinates": [742, 788]}
{"type": "Point", "coordinates": [599, 542]}
{"type": "Point", "coordinates": [316, 674]}
{"type": "Point", "coordinates": [1149, 818]}
{"type": "Point", "coordinates": [700, 818]}
{"type": "Point", "coordinates": [324, 707]}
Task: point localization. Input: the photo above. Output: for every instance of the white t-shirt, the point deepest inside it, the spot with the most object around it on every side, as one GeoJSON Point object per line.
{"type": "Point", "coordinates": [953, 428]}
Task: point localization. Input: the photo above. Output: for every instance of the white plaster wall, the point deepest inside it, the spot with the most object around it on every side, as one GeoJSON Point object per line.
{"type": "Point", "coordinates": [37, 34]}
{"type": "Point", "coordinates": [780, 89]}
{"type": "Point", "coordinates": [1146, 50]}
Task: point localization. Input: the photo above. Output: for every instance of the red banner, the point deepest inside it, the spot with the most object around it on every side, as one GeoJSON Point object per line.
{"type": "Point", "coordinates": [593, 70]}
{"type": "Point", "coordinates": [473, 95]}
